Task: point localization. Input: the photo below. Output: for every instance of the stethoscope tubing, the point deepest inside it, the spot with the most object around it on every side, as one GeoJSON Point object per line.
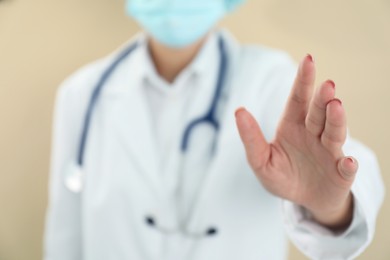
{"type": "Point", "coordinates": [94, 98]}
{"type": "Point", "coordinates": [209, 117]}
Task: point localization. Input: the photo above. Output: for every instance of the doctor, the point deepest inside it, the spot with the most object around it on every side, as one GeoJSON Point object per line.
{"type": "Point", "coordinates": [148, 162]}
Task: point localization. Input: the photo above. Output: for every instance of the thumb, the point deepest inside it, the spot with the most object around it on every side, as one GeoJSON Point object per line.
{"type": "Point", "coordinates": [348, 167]}
{"type": "Point", "coordinates": [256, 147]}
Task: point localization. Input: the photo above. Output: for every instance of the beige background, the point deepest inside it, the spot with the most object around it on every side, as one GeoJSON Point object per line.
{"type": "Point", "coordinates": [43, 41]}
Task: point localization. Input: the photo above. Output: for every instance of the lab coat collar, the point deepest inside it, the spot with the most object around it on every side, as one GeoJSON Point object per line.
{"type": "Point", "coordinates": [200, 66]}
{"type": "Point", "coordinates": [139, 65]}
{"type": "Point", "coordinates": [201, 63]}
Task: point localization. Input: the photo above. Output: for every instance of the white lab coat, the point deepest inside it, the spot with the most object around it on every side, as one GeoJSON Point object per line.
{"type": "Point", "coordinates": [106, 220]}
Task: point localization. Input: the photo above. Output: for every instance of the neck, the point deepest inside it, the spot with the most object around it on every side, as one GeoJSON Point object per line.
{"type": "Point", "coordinates": [169, 62]}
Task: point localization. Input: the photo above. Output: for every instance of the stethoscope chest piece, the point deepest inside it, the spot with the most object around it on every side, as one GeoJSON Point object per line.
{"type": "Point", "coordinates": [74, 178]}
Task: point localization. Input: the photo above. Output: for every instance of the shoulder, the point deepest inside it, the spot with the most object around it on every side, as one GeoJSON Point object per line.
{"type": "Point", "coordinates": [249, 55]}
{"type": "Point", "coordinates": [265, 59]}
{"type": "Point", "coordinates": [80, 83]}
{"type": "Point", "coordinates": [74, 93]}
{"type": "Point", "coordinates": [265, 71]}
{"type": "Point", "coordinates": [260, 67]}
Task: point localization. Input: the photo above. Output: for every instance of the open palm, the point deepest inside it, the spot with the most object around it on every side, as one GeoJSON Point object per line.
{"type": "Point", "coordinates": [304, 163]}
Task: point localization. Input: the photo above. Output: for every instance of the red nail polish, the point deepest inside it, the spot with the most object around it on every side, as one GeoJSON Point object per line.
{"type": "Point", "coordinates": [335, 99]}
{"type": "Point", "coordinates": [331, 82]}
{"type": "Point", "coordinates": [338, 100]}
{"type": "Point", "coordinates": [310, 57]}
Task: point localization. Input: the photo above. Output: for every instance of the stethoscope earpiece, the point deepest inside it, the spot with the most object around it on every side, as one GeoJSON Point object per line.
{"type": "Point", "coordinates": [212, 231]}
{"type": "Point", "coordinates": [151, 222]}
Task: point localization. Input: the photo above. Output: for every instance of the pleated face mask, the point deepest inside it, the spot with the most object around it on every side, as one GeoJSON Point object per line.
{"type": "Point", "coordinates": [178, 23]}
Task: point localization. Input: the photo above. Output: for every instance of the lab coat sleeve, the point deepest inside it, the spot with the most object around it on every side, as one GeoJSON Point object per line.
{"type": "Point", "coordinates": [62, 239]}
{"type": "Point", "coordinates": [316, 241]}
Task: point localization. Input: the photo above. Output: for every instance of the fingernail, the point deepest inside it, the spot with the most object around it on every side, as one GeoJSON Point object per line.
{"type": "Point", "coordinates": [238, 110]}
{"type": "Point", "coordinates": [347, 169]}
{"type": "Point", "coordinates": [350, 160]}
{"type": "Point", "coordinates": [337, 100]}
{"type": "Point", "coordinates": [310, 57]}
{"type": "Point", "coordinates": [331, 82]}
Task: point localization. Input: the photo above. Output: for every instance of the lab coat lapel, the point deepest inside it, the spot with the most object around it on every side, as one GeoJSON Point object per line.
{"type": "Point", "coordinates": [134, 129]}
{"type": "Point", "coordinates": [228, 142]}
{"type": "Point", "coordinates": [228, 147]}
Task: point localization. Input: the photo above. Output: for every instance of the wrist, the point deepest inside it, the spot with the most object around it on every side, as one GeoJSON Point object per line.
{"type": "Point", "coordinates": [337, 219]}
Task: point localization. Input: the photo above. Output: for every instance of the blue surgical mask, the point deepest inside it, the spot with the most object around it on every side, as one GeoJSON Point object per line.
{"type": "Point", "coordinates": [178, 23]}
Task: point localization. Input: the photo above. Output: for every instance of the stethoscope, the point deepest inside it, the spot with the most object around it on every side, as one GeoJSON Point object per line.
{"type": "Point", "coordinates": [74, 181]}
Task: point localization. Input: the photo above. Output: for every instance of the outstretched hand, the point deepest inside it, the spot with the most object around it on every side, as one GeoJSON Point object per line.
{"type": "Point", "coordinates": [305, 162]}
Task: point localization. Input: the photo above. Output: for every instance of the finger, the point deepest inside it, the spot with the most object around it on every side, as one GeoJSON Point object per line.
{"type": "Point", "coordinates": [335, 131]}
{"type": "Point", "coordinates": [301, 92]}
{"type": "Point", "coordinates": [315, 120]}
{"type": "Point", "coordinates": [348, 167]}
{"type": "Point", "coordinates": [256, 147]}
